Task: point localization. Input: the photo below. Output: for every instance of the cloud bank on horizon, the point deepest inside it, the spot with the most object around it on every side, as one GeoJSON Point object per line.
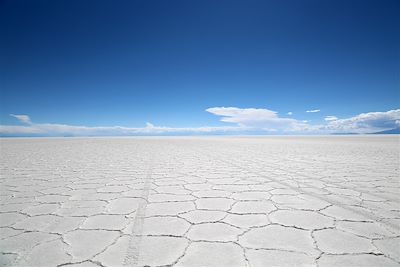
{"type": "Point", "coordinates": [244, 120]}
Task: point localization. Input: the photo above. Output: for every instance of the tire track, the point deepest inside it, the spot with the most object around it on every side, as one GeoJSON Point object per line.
{"type": "Point", "coordinates": [133, 251]}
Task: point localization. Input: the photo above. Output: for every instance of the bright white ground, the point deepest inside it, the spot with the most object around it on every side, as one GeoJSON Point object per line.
{"type": "Point", "coordinates": [273, 201]}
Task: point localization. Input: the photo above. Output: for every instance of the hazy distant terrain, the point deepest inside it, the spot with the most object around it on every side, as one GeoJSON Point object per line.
{"type": "Point", "coordinates": [210, 201]}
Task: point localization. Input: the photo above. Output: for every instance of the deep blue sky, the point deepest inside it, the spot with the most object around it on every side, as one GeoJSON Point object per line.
{"type": "Point", "coordinates": [128, 62]}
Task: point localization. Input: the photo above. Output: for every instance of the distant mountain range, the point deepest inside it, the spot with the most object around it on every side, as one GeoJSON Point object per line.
{"type": "Point", "coordinates": [391, 131]}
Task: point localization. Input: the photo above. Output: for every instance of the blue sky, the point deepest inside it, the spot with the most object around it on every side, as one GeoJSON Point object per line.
{"type": "Point", "coordinates": [127, 63]}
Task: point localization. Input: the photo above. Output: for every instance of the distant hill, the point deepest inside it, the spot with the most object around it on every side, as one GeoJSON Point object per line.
{"type": "Point", "coordinates": [391, 131]}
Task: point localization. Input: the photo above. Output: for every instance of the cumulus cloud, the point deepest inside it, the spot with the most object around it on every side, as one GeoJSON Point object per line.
{"type": "Point", "coordinates": [313, 111]}
{"type": "Point", "coordinates": [257, 118]}
{"type": "Point", "coordinates": [243, 115]}
{"type": "Point", "coordinates": [290, 113]}
{"type": "Point", "coordinates": [365, 122]}
{"type": "Point", "coordinates": [331, 118]}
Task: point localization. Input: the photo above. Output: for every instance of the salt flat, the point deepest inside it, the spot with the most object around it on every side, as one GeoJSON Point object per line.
{"type": "Point", "coordinates": [211, 201]}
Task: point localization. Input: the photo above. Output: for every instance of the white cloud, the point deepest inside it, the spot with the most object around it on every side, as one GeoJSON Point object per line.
{"type": "Point", "coordinates": [22, 118]}
{"type": "Point", "coordinates": [149, 125]}
{"type": "Point", "coordinates": [256, 118]}
{"type": "Point", "coordinates": [243, 116]}
{"type": "Point", "coordinates": [363, 123]}
{"type": "Point", "coordinates": [290, 113]}
{"type": "Point", "coordinates": [313, 111]}
{"type": "Point", "coordinates": [331, 118]}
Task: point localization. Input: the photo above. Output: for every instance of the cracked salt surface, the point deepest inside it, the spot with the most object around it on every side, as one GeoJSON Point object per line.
{"type": "Point", "coordinates": [273, 201]}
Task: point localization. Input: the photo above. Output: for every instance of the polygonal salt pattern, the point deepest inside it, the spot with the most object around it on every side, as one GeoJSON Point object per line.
{"type": "Point", "coordinates": [278, 201]}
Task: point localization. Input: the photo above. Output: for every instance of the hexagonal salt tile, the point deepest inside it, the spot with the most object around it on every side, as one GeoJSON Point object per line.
{"type": "Point", "coordinates": [213, 232]}
{"type": "Point", "coordinates": [279, 237]}
{"type": "Point", "coordinates": [213, 254]}
{"type": "Point", "coordinates": [338, 242]}
{"type": "Point", "coordinates": [201, 216]}
{"type": "Point", "coordinates": [302, 219]}
{"type": "Point", "coordinates": [167, 225]}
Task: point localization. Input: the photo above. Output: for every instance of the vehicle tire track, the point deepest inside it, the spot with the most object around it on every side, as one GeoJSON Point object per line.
{"type": "Point", "coordinates": [133, 251]}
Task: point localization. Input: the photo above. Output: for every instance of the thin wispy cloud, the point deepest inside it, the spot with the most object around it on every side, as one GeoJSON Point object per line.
{"type": "Point", "coordinates": [55, 129]}
{"type": "Point", "coordinates": [22, 118]}
{"type": "Point", "coordinates": [290, 113]}
{"type": "Point", "coordinates": [330, 118]}
{"type": "Point", "coordinates": [313, 111]}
